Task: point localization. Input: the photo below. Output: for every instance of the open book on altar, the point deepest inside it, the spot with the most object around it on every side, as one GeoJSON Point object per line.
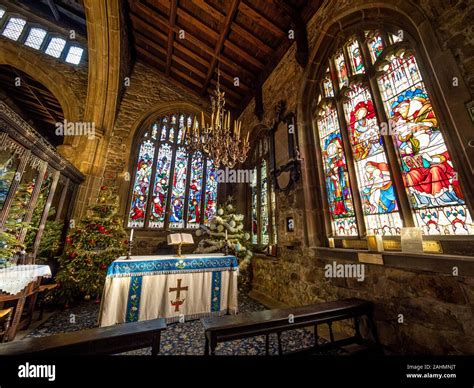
{"type": "Point", "coordinates": [180, 238]}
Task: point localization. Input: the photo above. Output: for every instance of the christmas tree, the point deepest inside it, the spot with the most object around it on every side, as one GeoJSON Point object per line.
{"type": "Point", "coordinates": [96, 241]}
{"type": "Point", "coordinates": [51, 236]}
{"type": "Point", "coordinates": [10, 247]}
{"type": "Point", "coordinates": [227, 229]}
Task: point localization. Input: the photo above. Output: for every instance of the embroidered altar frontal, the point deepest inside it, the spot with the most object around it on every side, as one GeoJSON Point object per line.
{"type": "Point", "coordinates": [149, 287]}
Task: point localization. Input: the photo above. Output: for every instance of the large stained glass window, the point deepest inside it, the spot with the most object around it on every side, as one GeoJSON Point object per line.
{"type": "Point", "coordinates": [404, 123]}
{"type": "Point", "coordinates": [171, 189]}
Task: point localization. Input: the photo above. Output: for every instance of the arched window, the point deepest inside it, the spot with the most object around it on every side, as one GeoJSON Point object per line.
{"type": "Point", "coordinates": [171, 189]}
{"type": "Point", "coordinates": [263, 201]}
{"type": "Point", "coordinates": [382, 146]}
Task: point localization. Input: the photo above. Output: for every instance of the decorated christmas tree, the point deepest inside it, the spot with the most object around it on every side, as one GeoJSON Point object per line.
{"type": "Point", "coordinates": [96, 241]}
{"type": "Point", "coordinates": [10, 247]}
{"type": "Point", "coordinates": [227, 229]}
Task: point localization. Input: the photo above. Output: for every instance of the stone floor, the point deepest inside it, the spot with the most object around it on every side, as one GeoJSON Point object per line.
{"type": "Point", "coordinates": [179, 338]}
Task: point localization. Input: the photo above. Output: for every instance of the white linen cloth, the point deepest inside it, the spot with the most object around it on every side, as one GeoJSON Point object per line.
{"type": "Point", "coordinates": [16, 278]}
{"type": "Point", "coordinates": [145, 288]}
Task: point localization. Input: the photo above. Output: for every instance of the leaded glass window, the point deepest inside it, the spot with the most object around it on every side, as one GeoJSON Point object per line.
{"type": "Point", "coordinates": [370, 113]}
{"type": "Point", "coordinates": [171, 189]}
{"type": "Point", "coordinates": [35, 37]}
{"type": "Point", "coordinates": [263, 199]}
{"type": "Point", "coordinates": [14, 28]}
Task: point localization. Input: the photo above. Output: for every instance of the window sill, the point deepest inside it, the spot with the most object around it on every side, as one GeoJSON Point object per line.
{"type": "Point", "coordinates": [438, 263]}
{"type": "Point", "coordinates": [264, 256]}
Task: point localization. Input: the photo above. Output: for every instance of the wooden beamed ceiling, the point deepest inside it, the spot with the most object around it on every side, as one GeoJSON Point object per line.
{"type": "Point", "coordinates": [36, 103]}
{"type": "Point", "coordinates": [188, 39]}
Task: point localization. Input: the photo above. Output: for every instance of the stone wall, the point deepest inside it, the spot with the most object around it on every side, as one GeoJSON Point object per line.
{"type": "Point", "coordinates": [437, 309]}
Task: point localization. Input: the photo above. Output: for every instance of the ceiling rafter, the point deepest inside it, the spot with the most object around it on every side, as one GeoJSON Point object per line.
{"type": "Point", "coordinates": [145, 40]}
{"type": "Point", "coordinates": [187, 39]}
{"type": "Point", "coordinates": [262, 20]}
{"type": "Point", "coordinates": [231, 13]}
{"type": "Point", "coordinates": [169, 54]}
{"type": "Point", "coordinates": [25, 82]}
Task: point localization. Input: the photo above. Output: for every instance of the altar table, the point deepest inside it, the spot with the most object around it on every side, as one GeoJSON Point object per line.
{"type": "Point", "coordinates": [170, 287]}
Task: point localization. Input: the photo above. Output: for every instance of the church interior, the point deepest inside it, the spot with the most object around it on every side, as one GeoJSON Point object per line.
{"type": "Point", "coordinates": [236, 177]}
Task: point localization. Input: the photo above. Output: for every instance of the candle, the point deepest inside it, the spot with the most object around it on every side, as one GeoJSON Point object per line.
{"type": "Point", "coordinates": [131, 235]}
{"type": "Point", "coordinates": [202, 119]}
{"type": "Point", "coordinates": [226, 234]}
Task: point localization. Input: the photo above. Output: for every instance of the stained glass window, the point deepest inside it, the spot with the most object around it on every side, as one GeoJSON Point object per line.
{"type": "Point", "coordinates": [178, 182]}
{"type": "Point", "coordinates": [195, 191]}
{"type": "Point", "coordinates": [338, 189]}
{"type": "Point", "coordinates": [379, 202]}
{"type": "Point", "coordinates": [419, 159]}
{"type": "Point", "coordinates": [341, 68]}
{"type": "Point", "coordinates": [375, 45]}
{"type": "Point", "coordinates": [263, 200]}
{"type": "Point", "coordinates": [356, 57]}
{"type": "Point", "coordinates": [160, 187]}
{"type": "Point", "coordinates": [141, 185]}
{"type": "Point", "coordinates": [431, 181]}
{"type": "Point", "coordinates": [210, 206]}
{"type": "Point", "coordinates": [328, 86]}
{"type": "Point", "coordinates": [264, 204]}
{"type": "Point", "coordinates": [254, 216]}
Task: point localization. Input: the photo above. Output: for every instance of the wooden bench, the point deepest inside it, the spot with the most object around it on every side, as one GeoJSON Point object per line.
{"type": "Point", "coordinates": [98, 341]}
{"type": "Point", "coordinates": [229, 328]}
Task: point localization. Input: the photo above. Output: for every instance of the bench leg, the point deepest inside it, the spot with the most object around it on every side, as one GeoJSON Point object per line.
{"type": "Point", "coordinates": [267, 345]}
{"type": "Point", "coordinates": [213, 346]}
{"type": "Point", "coordinates": [155, 347]}
{"type": "Point", "coordinates": [206, 346]}
{"type": "Point", "coordinates": [357, 328]}
{"type": "Point", "coordinates": [280, 348]}
{"type": "Point", "coordinates": [316, 337]}
{"type": "Point", "coordinates": [331, 334]}
{"type": "Point", "coordinates": [373, 328]}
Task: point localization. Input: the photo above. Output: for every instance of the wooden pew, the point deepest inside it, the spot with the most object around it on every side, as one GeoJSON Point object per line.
{"type": "Point", "coordinates": [229, 328]}
{"type": "Point", "coordinates": [97, 341]}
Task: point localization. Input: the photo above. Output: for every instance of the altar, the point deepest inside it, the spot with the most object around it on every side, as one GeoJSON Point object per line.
{"type": "Point", "coordinates": [175, 288]}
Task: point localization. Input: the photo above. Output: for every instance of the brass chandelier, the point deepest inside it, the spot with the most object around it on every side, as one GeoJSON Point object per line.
{"type": "Point", "coordinates": [220, 141]}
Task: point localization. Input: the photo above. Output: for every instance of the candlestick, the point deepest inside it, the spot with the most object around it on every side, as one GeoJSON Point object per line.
{"type": "Point", "coordinates": [130, 245]}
